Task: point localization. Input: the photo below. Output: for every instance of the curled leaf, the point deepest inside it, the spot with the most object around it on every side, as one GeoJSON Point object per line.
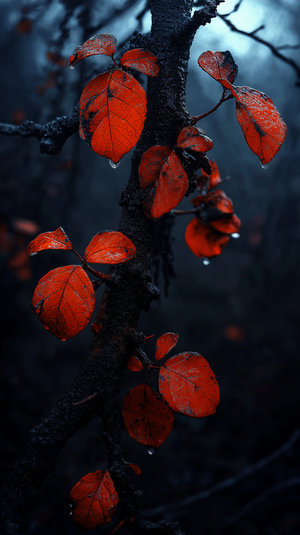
{"type": "Point", "coordinates": [112, 113]}
{"type": "Point", "coordinates": [220, 65]}
{"type": "Point", "coordinates": [215, 199]}
{"type": "Point", "coordinates": [103, 43]}
{"type": "Point", "coordinates": [146, 417]}
{"type": "Point", "coordinates": [188, 385]}
{"type": "Point", "coordinates": [141, 60]}
{"type": "Point", "coordinates": [95, 499]}
{"type": "Point", "coordinates": [191, 138]}
{"type": "Point", "coordinates": [164, 344]}
{"type": "Point", "coordinates": [64, 301]}
{"type": "Point", "coordinates": [134, 364]}
{"type": "Point", "coordinates": [57, 239]}
{"type": "Point", "coordinates": [204, 241]}
{"type": "Point", "coordinates": [229, 224]}
{"type": "Point", "coordinates": [151, 164]}
{"type": "Point", "coordinates": [135, 468]}
{"type": "Point", "coordinates": [109, 247]}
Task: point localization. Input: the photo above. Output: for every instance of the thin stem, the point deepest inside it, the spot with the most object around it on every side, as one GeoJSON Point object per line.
{"type": "Point", "coordinates": [184, 212]}
{"type": "Point", "coordinates": [102, 276]}
{"type": "Point", "coordinates": [77, 254]}
{"type": "Point", "coordinates": [86, 399]}
{"type": "Point", "coordinates": [197, 118]}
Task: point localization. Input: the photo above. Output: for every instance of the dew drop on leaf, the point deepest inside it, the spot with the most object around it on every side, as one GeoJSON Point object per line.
{"type": "Point", "coordinates": [114, 165]}
{"type": "Point", "coordinates": [71, 67]}
{"type": "Point", "coordinates": [264, 165]}
{"type": "Point", "coordinates": [152, 451]}
{"type": "Point", "coordinates": [235, 235]}
{"type": "Point", "coordinates": [205, 262]}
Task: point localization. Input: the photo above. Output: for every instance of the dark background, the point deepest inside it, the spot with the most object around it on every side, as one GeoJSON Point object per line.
{"type": "Point", "coordinates": [241, 312]}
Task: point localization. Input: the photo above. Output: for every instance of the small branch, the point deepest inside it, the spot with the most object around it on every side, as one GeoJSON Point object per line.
{"type": "Point", "coordinates": [51, 136]}
{"type": "Point", "coordinates": [184, 212]}
{"type": "Point", "coordinates": [77, 254]}
{"type": "Point", "coordinates": [273, 49]}
{"type": "Point", "coordinates": [197, 118]}
{"type": "Point", "coordinates": [201, 18]}
{"type": "Point", "coordinates": [236, 7]}
{"type": "Point", "coordinates": [86, 399]}
{"type": "Point", "coordinates": [293, 482]}
{"type": "Point", "coordinates": [102, 276]}
{"type": "Point", "coordinates": [230, 481]}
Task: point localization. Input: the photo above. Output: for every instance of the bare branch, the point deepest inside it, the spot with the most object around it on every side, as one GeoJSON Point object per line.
{"type": "Point", "coordinates": [52, 136]}
{"type": "Point", "coordinates": [274, 49]}
{"type": "Point", "coordinates": [201, 18]}
{"type": "Point", "coordinates": [236, 7]}
{"type": "Point", "coordinates": [231, 480]}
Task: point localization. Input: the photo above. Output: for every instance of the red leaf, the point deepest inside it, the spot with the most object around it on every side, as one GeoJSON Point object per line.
{"type": "Point", "coordinates": [112, 113]}
{"type": "Point", "coordinates": [188, 384]}
{"type": "Point", "coordinates": [25, 226]}
{"type": "Point", "coordinates": [191, 138]}
{"type": "Point", "coordinates": [147, 419]}
{"type": "Point", "coordinates": [109, 247]}
{"type": "Point", "coordinates": [56, 239]}
{"type": "Point", "coordinates": [141, 60]}
{"type": "Point", "coordinates": [134, 364]}
{"type": "Point", "coordinates": [151, 164]}
{"type": "Point", "coordinates": [219, 65]}
{"type": "Point", "coordinates": [64, 301]}
{"type": "Point", "coordinates": [170, 186]}
{"type": "Point", "coordinates": [204, 241]}
{"type": "Point", "coordinates": [216, 199]}
{"type": "Point", "coordinates": [135, 468]}
{"type": "Point", "coordinates": [103, 43]}
{"type": "Point", "coordinates": [263, 127]}
{"type": "Point", "coordinates": [96, 500]}
{"type": "Point", "coordinates": [164, 344]}
{"type": "Point", "coordinates": [228, 224]}
{"type": "Point", "coordinates": [214, 179]}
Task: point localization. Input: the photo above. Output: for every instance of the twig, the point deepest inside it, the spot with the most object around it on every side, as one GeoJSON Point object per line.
{"type": "Point", "coordinates": [201, 17]}
{"type": "Point", "coordinates": [265, 495]}
{"type": "Point", "coordinates": [274, 50]}
{"type": "Point", "coordinates": [86, 399]}
{"type": "Point", "coordinates": [197, 118]}
{"type": "Point", "coordinates": [52, 135]}
{"type": "Point", "coordinates": [230, 481]}
{"type": "Point", "coordinates": [236, 7]}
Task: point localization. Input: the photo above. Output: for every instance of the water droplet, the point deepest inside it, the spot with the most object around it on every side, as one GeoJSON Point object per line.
{"type": "Point", "coordinates": [71, 67]}
{"type": "Point", "coordinates": [70, 505]}
{"type": "Point", "coordinates": [205, 262]}
{"type": "Point", "coordinates": [235, 235]}
{"type": "Point", "coordinates": [71, 512]}
{"type": "Point", "coordinates": [32, 254]}
{"type": "Point", "coordinates": [264, 165]}
{"type": "Point", "coordinates": [114, 165]}
{"type": "Point", "coordinates": [203, 192]}
{"type": "Point", "coordinates": [152, 451]}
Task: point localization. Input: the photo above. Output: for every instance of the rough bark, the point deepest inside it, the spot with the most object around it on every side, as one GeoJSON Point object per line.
{"type": "Point", "coordinates": [122, 301]}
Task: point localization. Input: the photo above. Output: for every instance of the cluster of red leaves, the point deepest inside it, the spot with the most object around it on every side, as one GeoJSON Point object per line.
{"type": "Point", "coordinates": [186, 385]}
{"type": "Point", "coordinates": [113, 105]}
{"type": "Point", "coordinates": [209, 232]}
{"type": "Point", "coordinates": [64, 299]}
{"type": "Point", "coordinates": [162, 176]}
{"type": "Point", "coordinates": [262, 125]}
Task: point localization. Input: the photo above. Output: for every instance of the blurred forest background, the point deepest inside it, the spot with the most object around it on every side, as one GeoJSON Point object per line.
{"type": "Point", "coordinates": [242, 312]}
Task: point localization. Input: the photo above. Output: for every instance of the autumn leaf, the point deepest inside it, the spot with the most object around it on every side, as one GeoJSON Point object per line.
{"type": "Point", "coordinates": [188, 385]}
{"type": "Point", "coordinates": [56, 239]}
{"type": "Point", "coordinates": [220, 65]}
{"type": "Point", "coordinates": [263, 127]}
{"type": "Point", "coordinates": [146, 417]}
{"type": "Point", "coordinates": [134, 364]}
{"type": "Point", "coordinates": [162, 173]}
{"type": "Point", "coordinates": [141, 60]}
{"type": "Point", "coordinates": [213, 180]}
{"type": "Point", "coordinates": [215, 199]}
{"type": "Point", "coordinates": [203, 240]}
{"type": "Point", "coordinates": [109, 247]}
{"type": "Point", "coordinates": [64, 301]}
{"type": "Point", "coordinates": [95, 499]}
{"type": "Point", "coordinates": [135, 468]}
{"type": "Point", "coordinates": [164, 344]}
{"type": "Point", "coordinates": [229, 224]}
{"type": "Point", "coordinates": [104, 43]}
{"type": "Point", "coordinates": [191, 138]}
{"type": "Point", "coordinates": [112, 113]}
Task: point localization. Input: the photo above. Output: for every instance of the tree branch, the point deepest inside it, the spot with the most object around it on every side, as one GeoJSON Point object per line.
{"type": "Point", "coordinates": [52, 136]}
{"type": "Point", "coordinates": [274, 49]}
{"type": "Point", "coordinates": [202, 17]}
{"type": "Point", "coordinates": [231, 481]}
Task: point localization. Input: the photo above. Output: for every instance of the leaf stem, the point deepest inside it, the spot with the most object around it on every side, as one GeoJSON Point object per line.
{"type": "Point", "coordinates": [102, 276]}
{"type": "Point", "coordinates": [197, 118]}
{"type": "Point", "coordinates": [77, 254]}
